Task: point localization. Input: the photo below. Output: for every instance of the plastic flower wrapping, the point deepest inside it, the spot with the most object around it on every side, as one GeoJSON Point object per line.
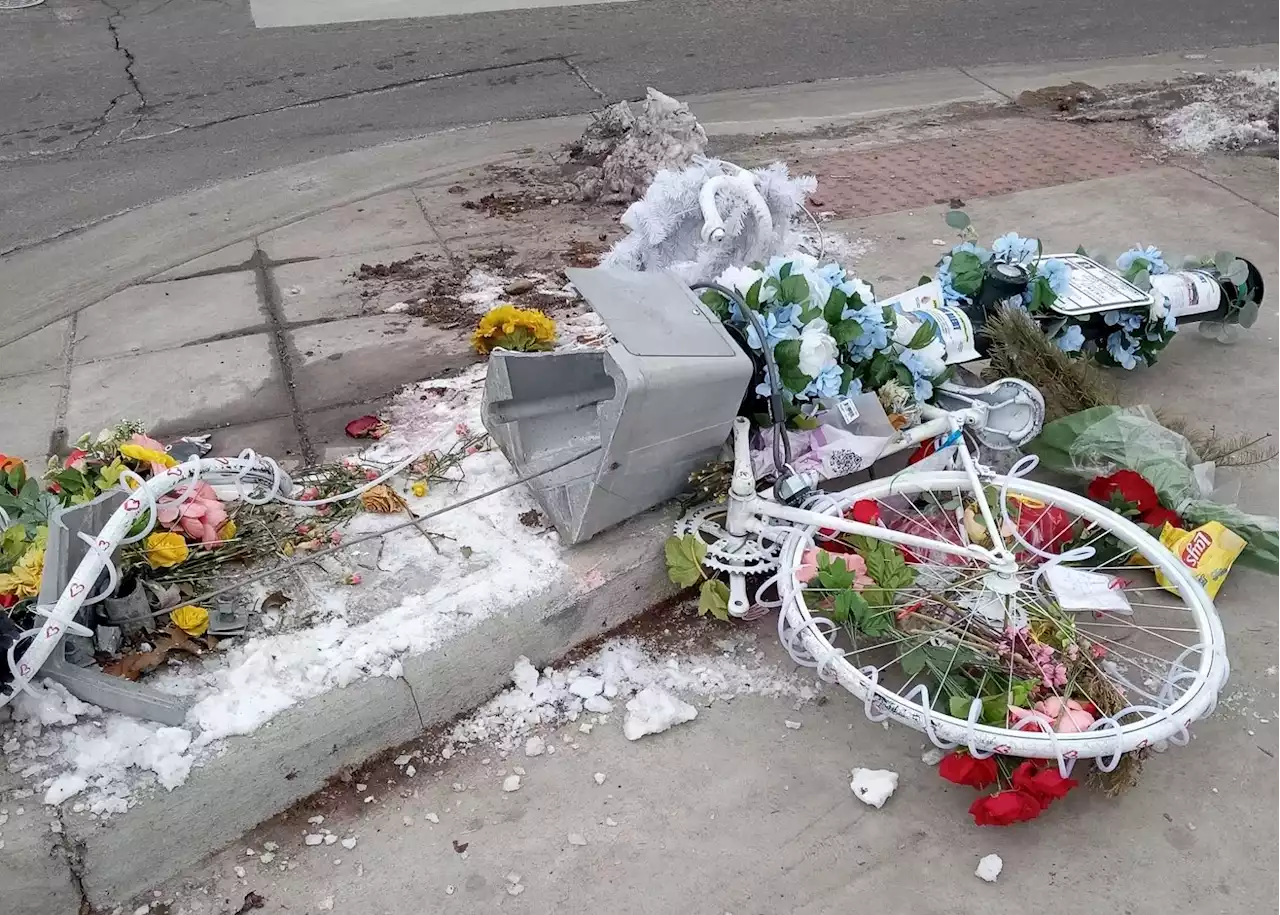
{"type": "Point", "coordinates": [826, 333]}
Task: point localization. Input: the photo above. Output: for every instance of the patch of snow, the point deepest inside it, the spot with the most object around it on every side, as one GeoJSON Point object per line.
{"type": "Point", "coordinates": [989, 868]}
{"type": "Point", "coordinates": [511, 783]}
{"type": "Point", "coordinates": [535, 746]}
{"type": "Point", "coordinates": [1235, 111]}
{"type": "Point", "coordinates": [873, 786]}
{"type": "Point", "coordinates": [653, 711]}
{"type": "Point", "coordinates": [932, 756]}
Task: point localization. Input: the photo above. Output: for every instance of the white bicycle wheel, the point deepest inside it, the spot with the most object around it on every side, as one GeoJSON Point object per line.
{"type": "Point", "coordinates": [1156, 669]}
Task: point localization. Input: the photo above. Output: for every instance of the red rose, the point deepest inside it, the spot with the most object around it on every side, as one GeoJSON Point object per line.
{"type": "Point", "coordinates": [8, 600]}
{"type": "Point", "coordinates": [1004, 808]}
{"type": "Point", "coordinates": [965, 769]}
{"type": "Point", "coordinates": [1042, 781]}
{"type": "Point", "coordinates": [1159, 516]}
{"type": "Point", "coordinates": [865, 511]}
{"type": "Point", "coordinates": [1126, 485]}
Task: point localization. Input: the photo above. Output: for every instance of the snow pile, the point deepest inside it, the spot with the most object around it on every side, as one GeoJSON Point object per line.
{"type": "Point", "coordinates": [873, 786]}
{"type": "Point", "coordinates": [622, 671]}
{"type": "Point", "coordinates": [989, 868]}
{"type": "Point", "coordinates": [622, 151]}
{"type": "Point", "coordinates": [421, 596]}
{"type": "Point", "coordinates": [653, 711]}
{"type": "Point", "coordinates": [1235, 111]}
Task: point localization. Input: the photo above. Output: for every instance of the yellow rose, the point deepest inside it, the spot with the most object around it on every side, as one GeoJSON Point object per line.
{"type": "Point", "coordinates": [191, 620]}
{"type": "Point", "coordinates": [228, 530]}
{"type": "Point", "coordinates": [165, 550]}
{"type": "Point", "coordinates": [24, 580]}
{"type": "Point", "coordinates": [419, 489]}
{"type": "Point", "coordinates": [508, 327]}
{"type": "Point", "coordinates": [145, 455]}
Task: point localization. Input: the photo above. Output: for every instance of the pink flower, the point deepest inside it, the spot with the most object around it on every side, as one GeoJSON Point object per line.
{"type": "Point", "coordinates": [354, 578]}
{"type": "Point", "coordinates": [200, 516]}
{"type": "Point", "coordinates": [371, 474]}
{"type": "Point", "coordinates": [309, 494]}
{"type": "Point", "coordinates": [335, 536]}
{"type": "Point", "coordinates": [808, 568]}
{"type": "Point", "coordinates": [76, 460]}
{"type": "Point", "coordinates": [1069, 717]}
{"type": "Point", "coordinates": [150, 443]}
{"type": "Point", "coordinates": [462, 430]}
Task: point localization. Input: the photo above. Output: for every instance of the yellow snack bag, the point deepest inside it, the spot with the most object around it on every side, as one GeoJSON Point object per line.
{"type": "Point", "coordinates": [1208, 551]}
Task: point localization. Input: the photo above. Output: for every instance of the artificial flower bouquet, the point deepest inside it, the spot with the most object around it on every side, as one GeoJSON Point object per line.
{"type": "Point", "coordinates": [828, 336]}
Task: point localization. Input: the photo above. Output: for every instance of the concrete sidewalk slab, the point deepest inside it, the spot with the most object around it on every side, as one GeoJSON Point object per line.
{"type": "Point", "coordinates": [608, 580]}
{"type": "Point", "coordinates": [181, 390]}
{"type": "Point", "coordinates": [387, 221]}
{"type": "Point", "coordinates": [232, 256]}
{"type": "Point", "coordinates": [325, 288]}
{"type": "Point", "coordinates": [44, 350]}
{"type": "Point", "coordinates": [362, 358]}
{"type": "Point", "coordinates": [159, 316]}
{"type": "Point", "coordinates": [30, 402]}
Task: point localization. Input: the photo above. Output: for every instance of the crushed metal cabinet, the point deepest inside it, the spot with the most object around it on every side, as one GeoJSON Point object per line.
{"type": "Point", "coordinates": [659, 402]}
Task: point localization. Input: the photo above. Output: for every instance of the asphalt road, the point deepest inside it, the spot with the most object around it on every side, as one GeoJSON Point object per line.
{"type": "Point", "coordinates": [111, 104]}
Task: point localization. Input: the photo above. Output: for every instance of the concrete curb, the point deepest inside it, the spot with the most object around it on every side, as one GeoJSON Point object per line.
{"type": "Point", "coordinates": [609, 580]}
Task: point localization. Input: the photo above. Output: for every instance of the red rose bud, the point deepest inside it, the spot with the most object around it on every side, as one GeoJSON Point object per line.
{"type": "Point", "coordinates": [864, 511]}
{"type": "Point", "coordinates": [1005, 808]}
{"type": "Point", "coordinates": [964, 769]}
{"type": "Point", "coordinates": [1159, 516]}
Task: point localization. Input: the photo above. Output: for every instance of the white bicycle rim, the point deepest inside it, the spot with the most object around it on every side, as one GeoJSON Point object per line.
{"type": "Point", "coordinates": [809, 639]}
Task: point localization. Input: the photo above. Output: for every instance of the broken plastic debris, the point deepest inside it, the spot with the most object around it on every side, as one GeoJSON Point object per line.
{"type": "Point", "coordinates": [989, 868]}
{"type": "Point", "coordinates": [653, 711]}
{"type": "Point", "coordinates": [873, 786]}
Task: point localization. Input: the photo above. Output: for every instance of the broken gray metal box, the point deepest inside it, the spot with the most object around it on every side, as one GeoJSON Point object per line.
{"type": "Point", "coordinates": [658, 403]}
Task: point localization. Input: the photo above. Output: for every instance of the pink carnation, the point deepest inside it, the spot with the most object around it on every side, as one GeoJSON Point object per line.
{"type": "Point", "coordinates": [200, 516]}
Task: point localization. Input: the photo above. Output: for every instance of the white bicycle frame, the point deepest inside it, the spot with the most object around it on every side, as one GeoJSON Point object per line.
{"type": "Point", "coordinates": [748, 511]}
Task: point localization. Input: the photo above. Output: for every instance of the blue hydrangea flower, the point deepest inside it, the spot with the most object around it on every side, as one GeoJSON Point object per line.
{"type": "Point", "coordinates": [779, 325]}
{"type": "Point", "coordinates": [874, 336]}
{"type": "Point", "coordinates": [1056, 273]}
{"type": "Point", "coordinates": [944, 278]}
{"type": "Point", "coordinates": [919, 374]}
{"type": "Point", "coordinates": [1170, 321]}
{"type": "Point", "coordinates": [1151, 254]}
{"type": "Point", "coordinates": [1126, 320]}
{"type": "Point", "coordinates": [1070, 338]}
{"type": "Point", "coordinates": [1123, 350]}
{"type": "Point", "coordinates": [832, 273]}
{"type": "Point", "coordinates": [827, 384]}
{"type": "Point", "coordinates": [855, 387]}
{"type": "Point", "coordinates": [1012, 248]}
{"type": "Point", "coordinates": [970, 248]}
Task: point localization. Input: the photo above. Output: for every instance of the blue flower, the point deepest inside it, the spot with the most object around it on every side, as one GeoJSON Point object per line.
{"type": "Point", "coordinates": [1127, 320]}
{"type": "Point", "coordinates": [1151, 254]}
{"type": "Point", "coordinates": [779, 325]}
{"type": "Point", "coordinates": [1070, 338]}
{"type": "Point", "coordinates": [1170, 322]}
{"type": "Point", "coordinates": [833, 273]}
{"type": "Point", "coordinates": [944, 278]}
{"type": "Point", "coordinates": [874, 336]}
{"type": "Point", "coordinates": [1123, 350]}
{"type": "Point", "coordinates": [827, 384]}
{"type": "Point", "coordinates": [970, 248]}
{"type": "Point", "coordinates": [1056, 273]}
{"type": "Point", "coordinates": [855, 387]}
{"type": "Point", "coordinates": [1012, 248]}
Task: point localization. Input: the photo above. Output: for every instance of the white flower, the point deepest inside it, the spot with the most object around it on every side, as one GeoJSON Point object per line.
{"type": "Point", "coordinates": [1159, 305]}
{"type": "Point", "coordinates": [819, 289]}
{"type": "Point", "coordinates": [739, 279]}
{"type": "Point", "coordinates": [817, 348]}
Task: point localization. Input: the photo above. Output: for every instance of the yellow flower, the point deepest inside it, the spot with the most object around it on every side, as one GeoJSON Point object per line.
{"type": "Point", "coordinates": [145, 455]}
{"type": "Point", "coordinates": [228, 530]}
{"type": "Point", "coordinates": [419, 489]}
{"type": "Point", "coordinates": [191, 620]}
{"type": "Point", "coordinates": [165, 550]}
{"type": "Point", "coordinates": [24, 580]}
{"type": "Point", "coordinates": [514, 328]}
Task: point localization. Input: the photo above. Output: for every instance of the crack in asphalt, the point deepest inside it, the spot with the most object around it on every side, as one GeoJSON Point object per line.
{"type": "Point", "coordinates": [135, 88]}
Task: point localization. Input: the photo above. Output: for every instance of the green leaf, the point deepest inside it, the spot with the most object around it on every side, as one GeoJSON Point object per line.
{"type": "Point", "coordinates": [110, 475]}
{"type": "Point", "coordinates": [995, 709]}
{"type": "Point", "coordinates": [795, 289]}
{"type": "Point", "coordinates": [958, 219]}
{"type": "Point", "coordinates": [846, 378]}
{"type": "Point", "coordinates": [1081, 251]}
{"type": "Point", "coordinates": [753, 295]}
{"type": "Point", "coordinates": [845, 612]}
{"type": "Point", "coordinates": [966, 272]}
{"type": "Point", "coordinates": [787, 355]}
{"type": "Point", "coordinates": [924, 281]}
{"type": "Point", "coordinates": [845, 332]}
{"type": "Point", "coordinates": [1142, 279]}
{"type": "Point", "coordinates": [923, 336]}
{"type": "Point", "coordinates": [886, 565]}
{"type": "Point", "coordinates": [1238, 272]}
{"type": "Point", "coordinates": [958, 706]}
{"type": "Point", "coordinates": [833, 574]}
{"type": "Point", "coordinates": [1222, 261]}
{"type": "Point", "coordinates": [1248, 314]}
{"type": "Point", "coordinates": [718, 304]}
{"type": "Point", "coordinates": [785, 271]}
{"type": "Point", "coordinates": [713, 598]}
{"type": "Point", "coordinates": [836, 303]}
{"type": "Point", "coordinates": [684, 559]}
{"type": "Point", "coordinates": [913, 662]}
{"type": "Point", "coordinates": [800, 421]}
